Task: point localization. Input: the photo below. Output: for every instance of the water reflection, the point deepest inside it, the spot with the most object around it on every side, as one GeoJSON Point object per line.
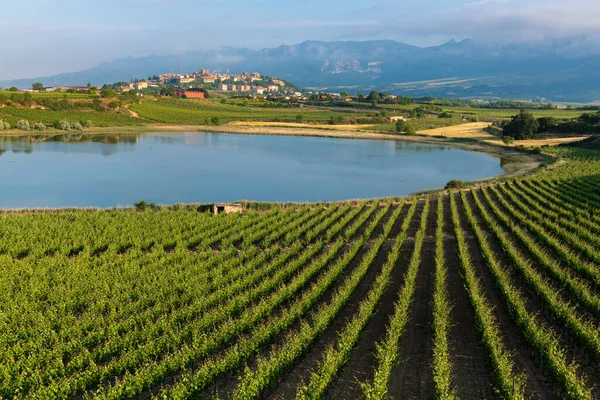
{"type": "Point", "coordinates": [107, 170]}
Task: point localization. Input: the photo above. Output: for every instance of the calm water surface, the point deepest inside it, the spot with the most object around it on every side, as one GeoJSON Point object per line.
{"type": "Point", "coordinates": [207, 167]}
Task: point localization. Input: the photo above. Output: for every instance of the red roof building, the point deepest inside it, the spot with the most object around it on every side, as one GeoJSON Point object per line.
{"type": "Point", "coordinates": [190, 94]}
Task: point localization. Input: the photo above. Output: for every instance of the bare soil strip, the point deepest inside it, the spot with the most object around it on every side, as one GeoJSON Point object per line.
{"type": "Point", "coordinates": [536, 307]}
{"type": "Point", "coordinates": [412, 378]}
{"type": "Point", "coordinates": [362, 361]}
{"type": "Point", "coordinates": [471, 374]}
{"type": "Point", "coordinates": [539, 385]}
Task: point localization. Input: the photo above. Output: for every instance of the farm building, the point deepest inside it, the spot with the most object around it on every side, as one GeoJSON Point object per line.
{"type": "Point", "coordinates": [190, 94]}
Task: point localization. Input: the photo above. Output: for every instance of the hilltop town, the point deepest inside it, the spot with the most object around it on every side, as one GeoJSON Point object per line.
{"type": "Point", "coordinates": [197, 84]}
{"type": "Point", "coordinates": [191, 85]}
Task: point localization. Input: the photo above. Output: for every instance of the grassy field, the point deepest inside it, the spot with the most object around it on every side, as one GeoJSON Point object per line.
{"type": "Point", "coordinates": [484, 293]}
{"type": "Point", "coordinates": [300, 125]}
{"type": "Point", "coordinates": [489, 114]}
{"type": "Point", "coordinates": [540, 142]}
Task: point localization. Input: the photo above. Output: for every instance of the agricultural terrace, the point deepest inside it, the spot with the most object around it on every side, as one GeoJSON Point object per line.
{"type": "Point", "coordinates": [483, 293]}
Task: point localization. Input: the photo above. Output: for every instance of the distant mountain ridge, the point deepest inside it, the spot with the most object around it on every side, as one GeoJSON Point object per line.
{"type": "Point", "coordinates": [559, 71]}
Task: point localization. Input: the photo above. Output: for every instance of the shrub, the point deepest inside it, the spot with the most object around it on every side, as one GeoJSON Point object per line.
{"type": "Point", "coordinates": [535, 150]}
{"type": "Point", "coordinates": [410, 130]}
{"type": "Point", "coordinates": [76, 126]}
{"type": "Point", "coordinates": [144, 205]}
{"type": "Point", "coordinates": [455, 184]}
{"type": "Point", "coordinates": [23, 124]}
{"type": "Point", "coordinates": [400, 126]}
{"type": "Point", "coordinates": [89, 124]}
{"type": "Point", "coordinates": [63, 125]}
{"type": "Point", "coordinates": [405, 128]}
{"type": "Point", "coordinates": [215, 120]}
{"type": "Point", "coordinates": [508, 140]}
{"type": "Point", "coordinates": [141, 205]}
{"type": "Point", "coordinates": [5, 125]}
{"type": "Point", "coordinates": [38, 126]}
{"type": "Point", "coordinates": [1, 125]}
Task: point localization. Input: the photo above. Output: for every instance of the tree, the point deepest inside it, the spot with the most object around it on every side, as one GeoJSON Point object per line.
{"type": "Point", "coordinates": [13, 89]}
{"type": "Point", "coordinates": [345, 93]}
{"type": "Point", "coordinates": [455, 184]}
{"type": "Point", "coordinates": [522, 126]}
{"type": "Point", "coordinates": [37, 86]}
{"type": "Point", "coordinates": [589, 119]}
{"type": "Point", "coordinates": [547, 123]}
{"type": "Point", "coordinates": [108, 92]}
{"type": "Point", "coordinates": [400, 126]}
{"type": "Point", "coordinates": [508, 140]}
{"type": "Point", "coordinates": [373, 96]}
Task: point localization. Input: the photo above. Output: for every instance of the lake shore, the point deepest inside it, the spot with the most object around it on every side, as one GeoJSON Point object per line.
{"type": "Point", "coordinates": [514, 162]}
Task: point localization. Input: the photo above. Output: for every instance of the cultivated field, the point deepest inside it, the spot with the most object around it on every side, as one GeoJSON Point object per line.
{"type": "Point", "coordinates": [191, 112]}
{"type": "Point", "coordinates": [473, 130]}
{"type": "Point", "coordinates": [491, 292]}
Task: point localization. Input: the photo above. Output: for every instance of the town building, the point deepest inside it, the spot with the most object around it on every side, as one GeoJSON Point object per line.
{"type": "Point", "coordinates": [258, 90]}
{"type": "Point", "coordinates": [182, 79]}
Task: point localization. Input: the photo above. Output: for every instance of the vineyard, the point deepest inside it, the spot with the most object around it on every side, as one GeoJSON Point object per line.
{"type": "Point", "coordinates": [185, 112]}
{"type": "Point", "coordinates": [492, 292]}
{"type": "Point", "coordinates": [99, 118]}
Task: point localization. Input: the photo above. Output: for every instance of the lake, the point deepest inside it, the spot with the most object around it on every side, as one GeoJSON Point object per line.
{"type": "Point", "coordinates": [107, 171]}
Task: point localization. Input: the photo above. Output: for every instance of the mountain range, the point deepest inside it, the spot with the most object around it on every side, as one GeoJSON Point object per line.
{"type": "Point", "coordinates": [558, 70]}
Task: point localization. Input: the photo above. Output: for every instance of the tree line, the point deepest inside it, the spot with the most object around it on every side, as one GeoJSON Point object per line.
{"type": "Point", "coordinates": [524, 125]}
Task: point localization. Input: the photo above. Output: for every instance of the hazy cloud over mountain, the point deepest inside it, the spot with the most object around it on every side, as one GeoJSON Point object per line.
{"type": "Point", "coordinates": [52, 36]}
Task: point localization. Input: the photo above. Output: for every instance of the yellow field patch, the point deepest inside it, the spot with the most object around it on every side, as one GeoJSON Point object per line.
{"type": "Point", "coordinates": [299, 125]}
{"type": "Point", "coordinates": [540, 142]}
{"type": "Point", "coordinates": [470, 131]}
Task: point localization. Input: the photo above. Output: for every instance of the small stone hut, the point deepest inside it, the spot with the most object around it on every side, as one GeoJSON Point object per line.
{"type": "Point", "coordinates": [226, 208]}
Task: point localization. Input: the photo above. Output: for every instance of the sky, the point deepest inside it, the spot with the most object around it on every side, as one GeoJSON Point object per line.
{"type": "Point", "coordinates": [46, 37]}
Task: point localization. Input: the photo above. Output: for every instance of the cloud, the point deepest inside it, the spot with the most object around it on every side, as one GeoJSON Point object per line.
{"type": "Point", "coordinates": [294, 24]}
{"type": "Point", "coordinates": [516, 20]}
